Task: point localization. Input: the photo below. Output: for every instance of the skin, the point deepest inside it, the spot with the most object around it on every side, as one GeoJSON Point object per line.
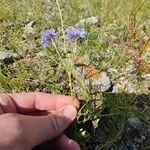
{"type": "Point", "coordinates": [29, 119]}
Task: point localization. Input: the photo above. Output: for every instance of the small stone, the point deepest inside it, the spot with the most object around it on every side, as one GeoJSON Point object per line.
{"type": "Point", "coordinates": [135, 123]}
{"type": "Point", "coordinates": [9, 58]}
{"type": "Point", "coordinates": [103, 83]}
{"type": "Point", "coordinates": [6, 57]}
{"type": "Point", "coordinates": [91, 20]}
{"type": "Point", "coordinates": [29, 28]}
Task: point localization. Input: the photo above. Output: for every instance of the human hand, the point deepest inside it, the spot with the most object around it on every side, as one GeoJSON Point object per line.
{"type": "Point", "coordinates": [28, 119]}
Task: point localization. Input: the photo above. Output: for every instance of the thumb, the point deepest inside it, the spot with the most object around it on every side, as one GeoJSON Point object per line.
{"type": "Point", "coordinates": [42, 128]}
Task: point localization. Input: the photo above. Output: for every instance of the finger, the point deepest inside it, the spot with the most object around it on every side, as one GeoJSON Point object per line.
{"type": "Point", "coordinates": [27, 102]}
{"type": "Point", "coordinates": [43, 128]}
{"type": "Point", "coordinates": [64, 143]}
{"type": "Point", "coordinates": [60, 143]}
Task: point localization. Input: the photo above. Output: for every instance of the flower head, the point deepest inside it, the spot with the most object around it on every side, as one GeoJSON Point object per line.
{"type": "Point", "coordinates": [75, 33]}
{"type": "Point", "coordinates": [47, 37]}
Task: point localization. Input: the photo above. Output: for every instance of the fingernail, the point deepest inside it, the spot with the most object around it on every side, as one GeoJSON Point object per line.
{"type": "Point", "coordinates": [70, 112]}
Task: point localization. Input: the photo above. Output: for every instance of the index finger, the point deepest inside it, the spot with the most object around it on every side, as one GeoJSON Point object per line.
{"type": "Point", "coordinates": [27, 102]}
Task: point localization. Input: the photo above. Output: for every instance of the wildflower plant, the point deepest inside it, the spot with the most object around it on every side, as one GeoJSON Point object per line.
{"type": "Point", "coordinates": [68, 37]}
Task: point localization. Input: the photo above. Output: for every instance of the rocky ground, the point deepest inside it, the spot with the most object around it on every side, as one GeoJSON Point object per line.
{"type": "Point", "coordinates": [110, 76]}
{"type": "Point", "coordinates": [122, 82]}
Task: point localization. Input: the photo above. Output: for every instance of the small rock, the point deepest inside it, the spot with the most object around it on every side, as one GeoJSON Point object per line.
{"type": "Point", "coordinates": [91, 20]}
{"type": "Point", "coordinates": [135, 123]}
{"type": "Point", "coordinates": [103, 83]}
{"type": "Point", "coordinates": [29, 29]}
{"type": "Point", "coordinates": [8, 58]}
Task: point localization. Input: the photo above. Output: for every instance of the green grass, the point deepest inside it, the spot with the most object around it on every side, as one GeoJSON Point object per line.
{"type": "Point", "coordinates": [123, 25]}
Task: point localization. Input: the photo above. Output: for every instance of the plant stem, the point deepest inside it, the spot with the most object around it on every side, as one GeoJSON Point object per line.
{"type": "Point", "coordinates": [62, 24]}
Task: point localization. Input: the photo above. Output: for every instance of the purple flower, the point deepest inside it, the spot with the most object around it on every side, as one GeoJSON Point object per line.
{"type": "Point", "coordinates": [75, 33]}
{"type": "Point", "coordinates": [47, 37]}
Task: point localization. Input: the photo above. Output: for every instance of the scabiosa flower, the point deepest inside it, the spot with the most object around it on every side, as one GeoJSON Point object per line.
{"type": "Point", "coordinates": [75, 33]}
{"type": "Point", "coordinates": [47, 37]}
